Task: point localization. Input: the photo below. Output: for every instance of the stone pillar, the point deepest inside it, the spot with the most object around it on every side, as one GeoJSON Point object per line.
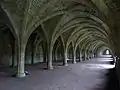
{"type": "Point", "coordinates": [88, 56]}
{"type": "Point", "coordinates": [32, 53]}
{"type": "Point", "coordinates": [20, 58]}
{"type": "Point", "coordinates": [13, 54]}
{"type": "Point", "coordinates": [80, 56]}
{"type": "Point", "coordinates": [45, 57]}
{"type": "Point", "coordinates": [49, 64]}
{"type": "Point", "coordinates": [65, 63]}
{"type": "Point", "coordinates": [55, 56]}
{"type": "Point", "coordinates": [84, 56]}
{"type": "Point", "coordinates": [44, 54]}
{"type": "Point", "coordinates": [74, 57]}
{"type": "Point", "coordinates": [93, 56]}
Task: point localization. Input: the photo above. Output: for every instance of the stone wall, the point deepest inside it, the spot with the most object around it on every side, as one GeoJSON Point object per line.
{"type": "Point", "coordinates": [5, 48]}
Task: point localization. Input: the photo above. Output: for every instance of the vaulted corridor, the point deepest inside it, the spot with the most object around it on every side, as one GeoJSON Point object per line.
{"type": "Point", "coordinates": [59, 44]}
{"type": "Point", "coordinates": [94, 74]}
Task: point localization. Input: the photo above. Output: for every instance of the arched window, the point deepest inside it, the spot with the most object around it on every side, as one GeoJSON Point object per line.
{"type": "Point", "coordinates": [107, 52]}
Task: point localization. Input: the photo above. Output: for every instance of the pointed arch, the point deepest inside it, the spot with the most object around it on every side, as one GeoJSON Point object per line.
{"type": "Point", "coordinates": [7, 47]}
{"type": "Point", "coordinates": [4, 18]}
{"type": "Point", "coordinates": [78, 53]}
{"type": "Point", "coordinates": [7, 27]}
{"type": "Point", "coordinates": [70, 51]}
{"type": "Point", "coordinates": [36, 49]}
{"type": "Point", "coordinates": [58, 50]}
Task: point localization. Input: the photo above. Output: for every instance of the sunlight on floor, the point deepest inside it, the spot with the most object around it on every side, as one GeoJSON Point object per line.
{"type": "Point", "coordinates": [107, 66]}
{"type": "Point", "coordinates": [104, 64]}
{"type": "Point", "coordinates": [99, 66]}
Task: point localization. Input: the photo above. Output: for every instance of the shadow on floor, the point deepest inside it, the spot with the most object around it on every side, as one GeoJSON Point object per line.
{"type": "Point", "coordinates": [112, 80]}
{"type": "Point", "coordinates": [110, 77]}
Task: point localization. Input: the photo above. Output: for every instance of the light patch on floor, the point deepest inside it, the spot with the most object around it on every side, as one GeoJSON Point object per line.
{"type": "Point", "coordinates": [88, 75]}
{"type": "Point", "coordinates": [98, 66]}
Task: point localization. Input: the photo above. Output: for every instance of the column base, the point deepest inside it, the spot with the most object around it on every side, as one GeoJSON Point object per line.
{"type": "Point", "coordinates": [65, 64]}
{"type": "Point", "coordinates": [50, 67]}
{"type": "Point", "coordinates": [21, 75]}
{"type": "Point", "coordinates": [80, 60]}
{"type": "Point", "coordinates": [74, 62]}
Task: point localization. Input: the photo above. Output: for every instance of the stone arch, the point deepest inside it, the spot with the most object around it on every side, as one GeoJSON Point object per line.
{"type": "Point", "coordinates": [70, 51]}
{"type": "Point", "coordinates": [8, 37]}
{"type": "Point", "coordinates": [4, 18]}
{"type": "Point", "coordinates": [101, 51]}
{"type": "Point", "coordinates": [36, 49]}
{"type": "Point", "coordinates": [96, 45]}
{"type": "Point", "coordinates": [8, 55]}
{"type": "Point", "coordinates": [78, 55]}
{"type": "Point", "coordinates": [83, 35]}
{"type": "Point", "coordinates": [95, 19]}
{"type": "Point", "coordinates": [39, 53]}
{"type": "Point", "coordinates": [59, 11]}
{"type": "Point", "coordinates": [80, 52]}
{"type": "Point", "coordinates": [86, 39]}
{"type": "Point", "coordinates": [84, 28]}
{"type": "Point", "coordinates": [58, 50]}
{"type": "Point", "coordinates": [83, 54]}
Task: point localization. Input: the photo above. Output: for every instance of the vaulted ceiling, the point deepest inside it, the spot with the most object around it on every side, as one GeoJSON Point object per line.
{"type": "Point", "coordinates": [89, 24]}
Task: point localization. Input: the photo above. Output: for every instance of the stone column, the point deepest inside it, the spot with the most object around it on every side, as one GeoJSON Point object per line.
{"type": "Point", "coordinates": [65, 63]}
{"type": "Point", "coordinates": [45, 57]}
{"type": "Point", "coordinates": [92, 55]}
{"type": "Point", "coordinates": [88, 56]}
{"type": "Point", "coordinates": [49, 64]}
{"type": "Point", "coordinates": [32, 53]}
{"type": "Point", "coordinates": [84, 56]}
{"type": "Point", "coordinates": [55, 56]}
{"type": "Point", "coordinates": [13, 54]}
{"type": "Point", "coordinates": [80, 59]}
{"type": "Point", "coordinates": [20, 58]}
{"type": "Point", "coordinates": [74, 57]}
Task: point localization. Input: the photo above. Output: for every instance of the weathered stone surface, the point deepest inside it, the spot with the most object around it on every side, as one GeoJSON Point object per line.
{"type": "Point", "coordinates": [43, 29]}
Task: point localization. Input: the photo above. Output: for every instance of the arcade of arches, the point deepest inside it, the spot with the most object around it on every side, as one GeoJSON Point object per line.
{"type": "Point", "coordinates": [50, 31]}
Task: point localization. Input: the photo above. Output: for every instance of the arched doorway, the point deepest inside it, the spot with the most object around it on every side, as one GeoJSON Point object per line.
{"type": "Point", "coordinates": [106, 52]}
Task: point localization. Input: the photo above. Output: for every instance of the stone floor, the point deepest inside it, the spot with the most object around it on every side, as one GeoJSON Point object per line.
{"type": "Point", "coordinates": [95, 74]}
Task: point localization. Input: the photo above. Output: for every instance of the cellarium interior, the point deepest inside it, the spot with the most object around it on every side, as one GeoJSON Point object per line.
{"type": "Point", "coordinates": [58, 35]}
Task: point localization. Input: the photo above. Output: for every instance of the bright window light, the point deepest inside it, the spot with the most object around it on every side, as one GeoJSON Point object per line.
{"type": "Point", "coordinates": [107, 52]}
